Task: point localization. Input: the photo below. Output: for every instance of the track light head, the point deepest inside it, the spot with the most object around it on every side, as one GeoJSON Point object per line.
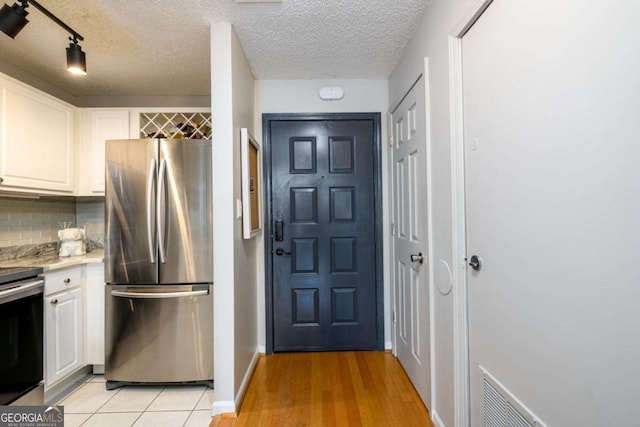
{"type": "Point", "coordinates": [76, 60]}
{"type": "Point", "coordinates": [13, 19]}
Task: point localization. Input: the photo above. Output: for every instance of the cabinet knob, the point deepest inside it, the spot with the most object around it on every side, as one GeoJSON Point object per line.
{"type": "Point", "coordinates": [54, 301]}
{"type": "Point", "coordinates": [1, 180]}
{"type": "Point", "coordinates": [67, 281]}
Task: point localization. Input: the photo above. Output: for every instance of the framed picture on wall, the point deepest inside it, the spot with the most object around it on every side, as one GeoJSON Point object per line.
{"type": "Point", "coordinates": [251, 185]}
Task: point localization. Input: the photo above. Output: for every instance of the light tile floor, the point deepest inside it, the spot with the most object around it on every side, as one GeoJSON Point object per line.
{"type": "Point", "coordinates": [92, 405]}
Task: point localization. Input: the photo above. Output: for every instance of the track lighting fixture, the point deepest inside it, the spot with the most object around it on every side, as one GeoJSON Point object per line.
{"type": "Point", "coordinates": [14, 18]}
{"type": "Point", "coordinates": [76, 63]}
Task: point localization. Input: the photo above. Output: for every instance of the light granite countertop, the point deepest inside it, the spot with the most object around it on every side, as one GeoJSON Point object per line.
{"type": "Point", "coordinates": [55, 263]}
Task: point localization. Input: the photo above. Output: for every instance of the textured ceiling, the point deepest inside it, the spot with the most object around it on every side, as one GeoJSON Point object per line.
{"type": "Point", "coordinates": [161, 47]}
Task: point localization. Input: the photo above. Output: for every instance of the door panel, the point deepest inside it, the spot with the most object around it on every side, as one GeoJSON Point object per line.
{"type": "Point", "coordinates": [411, 282]}
{"type": "Point", "coordinates": [131, 173]}
{"type": "Point", "coordinates": [186, 211]}
{"type": "Point", "coordinates": [552, 207]}
{"type": "Point", "coordinates": [324, 270]}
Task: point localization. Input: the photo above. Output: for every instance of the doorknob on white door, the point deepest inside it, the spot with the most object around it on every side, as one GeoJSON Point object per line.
{"type": "Point", "coordinates": [417, 258]}
{"type": "Point", "coordinates": [475, 262]}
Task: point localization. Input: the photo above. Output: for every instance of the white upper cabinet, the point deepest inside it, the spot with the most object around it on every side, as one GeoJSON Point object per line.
{"type": "Point", "coordinates": [36, 140]}
{"type": "Point", "coordinates": [96, 127]}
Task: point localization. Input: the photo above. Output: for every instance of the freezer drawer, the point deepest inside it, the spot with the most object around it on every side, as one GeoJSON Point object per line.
{"type": "Point", "coordinates": [158, 334]}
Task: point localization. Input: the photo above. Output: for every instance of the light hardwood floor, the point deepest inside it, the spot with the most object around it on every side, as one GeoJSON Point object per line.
{"type": "Point", "coordinates": [367, 388]}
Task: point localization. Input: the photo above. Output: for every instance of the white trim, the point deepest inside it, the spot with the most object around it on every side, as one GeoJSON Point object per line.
{"type": "Point", "coordinates": [225, 406]}
{"type": "Point", "coordinates": [469, 18]}
{"type": "Point", "coordinates": [460, 294]}
{"type": "Point", "coordinates": [460, 314]}
{"type": "Point", "coordinates": [437, 421]}
{"type": "Point", "coordinates": [222, 407]}
{"type": "Point", "coordinates": [430, 263]}
{"type": "Point", "coordinates": [246, 379]}
{"type": "Point", "coordinates": [245, 139]}
{"type": "Point", "coordinates": [392, 344]}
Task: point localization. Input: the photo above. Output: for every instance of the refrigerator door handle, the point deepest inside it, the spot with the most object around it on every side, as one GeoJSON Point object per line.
{"type": "Point", "coordinates": [150, 231]}
{"type": "Point", "coordinates": [160, 211]}
{"type": "Point", "coordinates": [160, 295]}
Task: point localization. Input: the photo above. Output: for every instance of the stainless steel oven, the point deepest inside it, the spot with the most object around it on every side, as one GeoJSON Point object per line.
{"type": "Point", "coordinates": [21, 336]}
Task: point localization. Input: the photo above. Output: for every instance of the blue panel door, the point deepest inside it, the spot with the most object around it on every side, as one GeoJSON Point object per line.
{"type": "Point", "coordinates": [324, 268]}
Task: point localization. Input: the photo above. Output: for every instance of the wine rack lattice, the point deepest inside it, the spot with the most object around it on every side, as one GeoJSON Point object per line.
{"type": "Point", "coordinates": [175, 125]}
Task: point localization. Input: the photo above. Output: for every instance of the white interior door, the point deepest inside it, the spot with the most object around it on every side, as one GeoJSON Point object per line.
{"type": "Point", "coordinates": [552, 154]}
{"type": "Point", "coordinates": [411, 284]}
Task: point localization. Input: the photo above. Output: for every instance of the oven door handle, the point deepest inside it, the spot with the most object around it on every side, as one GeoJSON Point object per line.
{"type": "Point", "coordinates": [23, 290]}
{"type": "Point", "coordinates": [160, 295]}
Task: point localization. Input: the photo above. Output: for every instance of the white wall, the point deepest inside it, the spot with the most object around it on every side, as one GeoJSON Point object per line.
{"type": "Point", "coordinates": [235, 324]}
{"type": "Point", "coordinates": [301, 96]}
{"type": "Point", "coordinates": [431, 41]}
{"type": "Point", "coordinates": [245, 298]}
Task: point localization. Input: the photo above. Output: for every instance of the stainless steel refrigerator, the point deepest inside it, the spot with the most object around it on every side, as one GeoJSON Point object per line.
{"type": "Point", "coordinates": [158, 262]}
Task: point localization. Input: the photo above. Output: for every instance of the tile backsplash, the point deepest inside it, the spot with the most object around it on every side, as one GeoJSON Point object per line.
{"type": "Point", "coordinates": [90, 215]}
{"type": "Point", "coordinates": [26, 221]}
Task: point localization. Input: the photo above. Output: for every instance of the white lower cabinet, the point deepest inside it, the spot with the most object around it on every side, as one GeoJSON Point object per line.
{"type": "Point", "coordinates": [74, 321]}
{"type": "Point", "coordinates": [94, 325]}
{"type": "Point", "coordinates": [64, 333]}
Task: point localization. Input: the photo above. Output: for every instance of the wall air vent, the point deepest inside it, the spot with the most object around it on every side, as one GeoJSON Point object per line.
{"type": "Point", "coordinates": [501, 408]}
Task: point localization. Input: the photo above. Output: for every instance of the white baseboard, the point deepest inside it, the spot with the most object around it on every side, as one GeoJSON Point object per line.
{"type": "Point", "coordinates": [245, 380]}
{"type": "Point", "coordinates": [388, 345]}
{"type": "Point", "coordinates": [62, 388]}
{"type": "Point", "coordinates": [262, 349]}
{"type": "Point", "coordinates": [436, 419]}
{"type": "Point", "coordinates": [222, 406]}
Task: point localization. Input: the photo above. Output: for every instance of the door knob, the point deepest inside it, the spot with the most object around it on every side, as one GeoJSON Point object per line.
{"type": "Point", "coordinates": [475, 262]}
{"type": "Point", "coordinates": [280, 252]}
{"type": "Point", "coordinates": [417, 258]}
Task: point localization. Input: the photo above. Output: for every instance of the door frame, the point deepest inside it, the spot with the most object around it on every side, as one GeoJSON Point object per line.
{"type": "Point", "coordinates": [461, 369]}
{"type": "Point", "coordinates": [268, 222]}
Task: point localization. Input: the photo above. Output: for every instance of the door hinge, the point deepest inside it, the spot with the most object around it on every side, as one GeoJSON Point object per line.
{"type": "Point", "coordinates": [390, 140]}
{"type": "Point", "coordinates": [394, 316]}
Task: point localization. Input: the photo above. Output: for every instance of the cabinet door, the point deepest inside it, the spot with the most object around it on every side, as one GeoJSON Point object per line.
{"type": "Point", "coordinates": [36, 140]}
{"type": "Point", "coordinates": [94, 326]}
{"type": "Point", "coordinates": [98, 126]}
{"type": "Point", "coordinates": [64, 335]}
